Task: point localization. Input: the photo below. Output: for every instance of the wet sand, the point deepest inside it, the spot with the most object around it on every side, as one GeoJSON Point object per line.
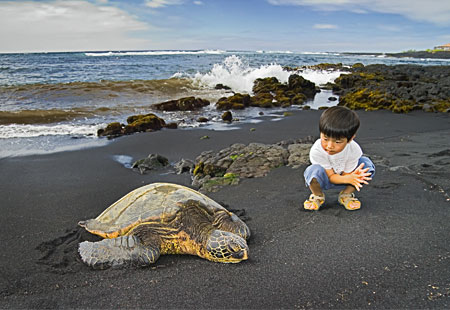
{"type": "Point", "coordinates": [393, 253]}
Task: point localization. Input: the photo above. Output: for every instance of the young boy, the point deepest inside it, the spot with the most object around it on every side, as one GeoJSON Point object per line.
{"type": "Point", "coordinates": [337, 160]}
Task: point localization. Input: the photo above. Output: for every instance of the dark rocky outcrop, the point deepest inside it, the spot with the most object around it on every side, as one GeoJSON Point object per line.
{"type": "Point", "coordinates": [182, 104]}
{"type": "Point", "coordinates": [399, 88]}
{"type": "Point", "coordinates": [215, 169]}
{"type": "Point", "coordinates": [151, 162]}
{"type": "Point", "coordinates": [113, 129]}
{"type": "Point", "coordinates": [236, 102]}
{"type": "Point", "coordinates": [321, 66]}
{"type": "Point", "coordinates": [184, 165]}
{"type": "Point", "coordinates": [202, 119]}
{"type": "Point", "coordinates": [143, 122]}
{"type": "Point", "coordinates": [422, 54]}
{"type": "Point", "coordinates": [135, 123]}
{"type": "Point", "coordinates": [298, 84]}
{"type": "Point", "coordinates": [270, 93]}
{"type": "Point", "coordinates": [328, 67]}
{"type": "Point", "coordinates": [227, 116]}
{"type": "Point", "coordinates": [221, 86]}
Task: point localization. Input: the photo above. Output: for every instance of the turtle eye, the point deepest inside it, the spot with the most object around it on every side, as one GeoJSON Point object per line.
{"type": "Point", "coordinates": [234, 247]}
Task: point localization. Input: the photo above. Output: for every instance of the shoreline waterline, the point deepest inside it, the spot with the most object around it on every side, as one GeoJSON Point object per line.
{"type": "Point", "coordinates": [49, 101]}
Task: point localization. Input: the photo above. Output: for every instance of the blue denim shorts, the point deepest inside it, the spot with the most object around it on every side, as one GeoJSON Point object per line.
{"type": "Point", "coordinates": [318, 172]}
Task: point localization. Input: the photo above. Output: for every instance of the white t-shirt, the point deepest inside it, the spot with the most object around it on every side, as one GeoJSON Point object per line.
{"type": "Point", "coordinates": [344, 161]}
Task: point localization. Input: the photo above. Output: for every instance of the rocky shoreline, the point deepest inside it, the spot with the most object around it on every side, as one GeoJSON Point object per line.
{"type": "Point", "coordinates": [410, 54]}
{"type": "Point", "coordinates": [398, 88]}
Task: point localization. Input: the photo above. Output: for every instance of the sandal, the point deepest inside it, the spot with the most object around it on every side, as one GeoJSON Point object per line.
{"type": "Point", "coordinates": [349, 199]}
{"type": "Point", "coordinates": [314, 202]}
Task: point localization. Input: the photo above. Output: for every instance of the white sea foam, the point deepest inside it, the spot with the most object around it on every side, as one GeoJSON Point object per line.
{"type": "Point", "coordinates": [234, 73]}
{"type": "Point", "coordinates": [23, 140]}
{"type": "Point", "coordinates": [320, 77]}
{"type": "Point", "coordinates": [124, 160]}
{"type": "Point", "coordinates": [156, 53]}
{"type": "Point", "coordinates": [45, 145]}
{"type": "Point", "coordinates": [29, 131]}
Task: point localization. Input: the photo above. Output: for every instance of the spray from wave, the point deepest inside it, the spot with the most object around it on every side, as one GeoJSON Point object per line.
{"type": "Point", "coordinates": [240, 77]}
{"type": "Point", "coordinates": [234, 73]}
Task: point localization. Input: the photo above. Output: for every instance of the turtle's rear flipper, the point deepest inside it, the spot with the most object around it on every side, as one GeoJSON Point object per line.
{"type": "Point", "coordinates": [117, 252]}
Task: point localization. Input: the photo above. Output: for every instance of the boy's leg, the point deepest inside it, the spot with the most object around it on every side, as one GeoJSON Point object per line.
{"type": "Point", "coordinates": [316, 178]}
{"type": "Point", "coordinates": [315, 188]}
{"type": "Point", "coordinates": [346, 196]}
{"type": "Point", "coordinates": [317, 173]}
{"type": "Point", "coordinates": [367, 164]}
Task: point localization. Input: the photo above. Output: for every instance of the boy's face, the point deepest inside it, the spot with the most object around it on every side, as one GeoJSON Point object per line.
{"type": "Point", "coordinates": [332, 145]}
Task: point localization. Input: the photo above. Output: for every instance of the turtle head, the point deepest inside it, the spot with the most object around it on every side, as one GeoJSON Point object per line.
{"type": "Point", "coordinates": [226, 247]}
{"type": "Point", "coordinates": [231, 222]}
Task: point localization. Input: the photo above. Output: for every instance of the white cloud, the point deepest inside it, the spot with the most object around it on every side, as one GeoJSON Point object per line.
{"type": "Point", "coordinates": [433, 11]}
{"type": "Point", "coordinates": [154, 4]}
{"type": "Point", "coordinates": [198, 2]}
{"type": "Point", "coordinates": [325, 26]}
{"type": "Point", "coordinates": [65, 25]}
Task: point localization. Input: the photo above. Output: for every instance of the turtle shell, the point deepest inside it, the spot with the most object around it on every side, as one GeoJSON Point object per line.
{"type": "Point", "coordinates": [155, 203]}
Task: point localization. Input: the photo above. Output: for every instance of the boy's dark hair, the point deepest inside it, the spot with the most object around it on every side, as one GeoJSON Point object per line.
{"type": "Point", "coordinates": [338, 122]}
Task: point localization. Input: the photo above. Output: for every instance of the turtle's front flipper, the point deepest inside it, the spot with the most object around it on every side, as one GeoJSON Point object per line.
{"type": "Point", "coordinates": [117, 252]}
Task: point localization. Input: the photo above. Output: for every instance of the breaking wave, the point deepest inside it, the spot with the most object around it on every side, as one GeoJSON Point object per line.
{"type": "Point", "coordinates": [235, 73]}
{"type": "Point", "coordinates": [29, 131]}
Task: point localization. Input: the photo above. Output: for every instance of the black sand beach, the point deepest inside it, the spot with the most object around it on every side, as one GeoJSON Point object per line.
{"type": "Point", "coordinates": [393, 253]}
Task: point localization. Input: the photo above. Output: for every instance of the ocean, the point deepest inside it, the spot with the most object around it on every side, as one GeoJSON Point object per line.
{"type": "Point", "coordinates": [52, 102]}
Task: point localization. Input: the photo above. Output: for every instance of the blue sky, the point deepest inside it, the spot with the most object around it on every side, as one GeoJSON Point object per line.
{"type": "Point", "coordinates": [270, 25]}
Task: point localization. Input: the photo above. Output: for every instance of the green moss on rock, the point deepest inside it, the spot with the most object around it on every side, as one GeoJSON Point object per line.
{"type": "Point", "coordinates": [327, 66]}
{"type": "Point", "coordinates": [262, 100]}
{"type": "Point", "coordinates": [112, 129]}
{"type": "Point", "coordinates": [147, 122]}
{"type": "Point", "coordinates": [376, 100]}
{"type": "Point", "coordinates": [267, 85]}
{"type": "Point", "coordinates": [236, 102]}
{"type": "Point", "coordinates": [136, 123]}
{"type": "Point", "coordinates": [227, 116]}
{"type": "Point", "coordinates": [182, 104]}
{"type": "Point", "coordinates": [270, 93]}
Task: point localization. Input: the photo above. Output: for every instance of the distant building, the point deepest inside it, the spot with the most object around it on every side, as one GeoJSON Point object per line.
{"type": "Point", "coordinates": [445, 47]}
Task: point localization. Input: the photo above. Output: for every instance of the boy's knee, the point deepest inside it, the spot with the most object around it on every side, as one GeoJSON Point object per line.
{"type": "Point", "coordinates": [315, 172]}
{"type": "Point", "coordinates": [367, 164]}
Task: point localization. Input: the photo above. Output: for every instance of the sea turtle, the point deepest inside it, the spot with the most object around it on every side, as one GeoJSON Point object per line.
{"type": "Point", "coordinates": [164, 218]}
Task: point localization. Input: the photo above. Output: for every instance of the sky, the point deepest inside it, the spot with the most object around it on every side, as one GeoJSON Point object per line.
{"type": "Point", "coordinates": [253, 25]}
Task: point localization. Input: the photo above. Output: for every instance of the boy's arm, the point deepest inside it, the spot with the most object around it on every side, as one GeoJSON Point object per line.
{"type": "Point", "coordinates": [356, 178]}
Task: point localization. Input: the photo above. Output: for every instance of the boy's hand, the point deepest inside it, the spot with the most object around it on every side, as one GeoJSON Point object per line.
{"type": "Point", "coordinates": [359, 176]}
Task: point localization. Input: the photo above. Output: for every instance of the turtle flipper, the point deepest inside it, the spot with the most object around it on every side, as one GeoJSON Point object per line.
{"type": "Point", "coordinates": [117, 252]}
